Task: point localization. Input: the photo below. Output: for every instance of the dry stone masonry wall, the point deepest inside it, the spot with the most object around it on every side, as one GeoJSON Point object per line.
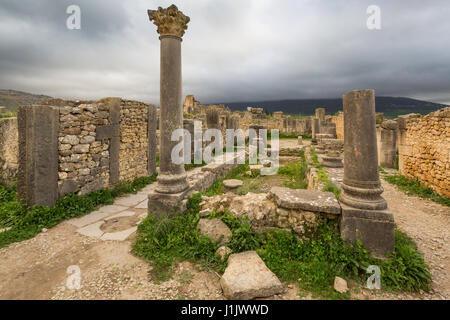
{"type": "Point", "coordinates": [97, 144]}
{"type": "Point", "coordinates": [424, 149]}
{"type": "Point", "coordinates": [9, 149]}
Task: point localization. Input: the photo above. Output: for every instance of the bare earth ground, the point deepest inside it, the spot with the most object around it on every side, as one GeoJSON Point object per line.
{"type": "Point", "coordinates": [37, 268]}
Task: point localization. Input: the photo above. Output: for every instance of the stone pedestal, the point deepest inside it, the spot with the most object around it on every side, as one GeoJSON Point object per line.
{"type": "Point", "coordinates": [320, 148]}
{"type": "Point", "coordinates": [172, 183]}
{"type": "Point", "coordinates": [364, 212]}
{"type": "Point", "coordinates": [300, 140]}
{"type": "Point", "coordinates": [332, 157]}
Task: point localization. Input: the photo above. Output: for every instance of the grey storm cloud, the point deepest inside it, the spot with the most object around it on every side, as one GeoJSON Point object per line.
{"type": "Point", "coordinates": [232, 51]}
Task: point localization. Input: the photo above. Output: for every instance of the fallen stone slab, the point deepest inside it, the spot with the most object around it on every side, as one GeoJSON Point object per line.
{"type": "Point", "coordinates": [214, 229]}
{"type": "Point", "coordinates": [233, 183]}
{"type": "Point", "coordinates": [247, 277]}
{"type": "Point", "coordinates": [309, 200]}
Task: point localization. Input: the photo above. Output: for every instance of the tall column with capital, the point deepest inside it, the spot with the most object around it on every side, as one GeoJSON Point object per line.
{"type": "Point", "coordinates": [172, 184]}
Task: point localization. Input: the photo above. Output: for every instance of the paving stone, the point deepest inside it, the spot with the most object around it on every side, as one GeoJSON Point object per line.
{"type": "Point", "coordinates": [121, 215]}
{"type": "Point", "coordinates": [247, 277]}
{"type": "Point", "coordinates": [112, 209]}
{"type": "Point", "coordinates": [120, 235]}
{"type": "Point", "coordinates": [92, 230]}
{"type": "Point", "coordinates": [308, 200]}
{"type": "Point", "coordinates": [132, 200]}
{"type": "Point", "coordinates": [89, 219]}
{"type": "Point", "coordinates": [142, 205]}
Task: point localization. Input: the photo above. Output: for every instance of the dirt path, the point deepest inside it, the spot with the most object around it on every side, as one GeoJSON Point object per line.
{"type": "Point", "coordinates": [428, 224]}
{"type": "Point", "coordinates": [37, 268]}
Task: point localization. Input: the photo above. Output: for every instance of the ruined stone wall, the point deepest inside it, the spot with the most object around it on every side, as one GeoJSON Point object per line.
{"type": "Point", "coordinates": [9, 149]}
{"type": "Point", "coordinates": [83, 159]}
{"type": "Point", "coordinates": [424, 149]}
{"type": "Point", "coordinates": [133, 140]}
{"type": "Point", "coordinates": [339, 120]}
{"type": "Point", "coordinates": [97, 144]}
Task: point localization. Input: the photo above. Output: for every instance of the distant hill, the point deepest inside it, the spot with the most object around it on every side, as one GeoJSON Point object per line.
{"type": "Point", "coordinates": [12, 99]}
{"type": "Point", "coordinates": [390, 106]}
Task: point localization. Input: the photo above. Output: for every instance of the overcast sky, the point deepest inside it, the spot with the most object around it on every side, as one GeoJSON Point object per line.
{"type": "Point", "coordinates": [233, 50]}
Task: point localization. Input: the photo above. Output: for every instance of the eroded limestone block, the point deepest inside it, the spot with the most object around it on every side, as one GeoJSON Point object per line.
{"type": "Point", "coordinates": [247, 277]}
{"type": "Point", "coordinates": [309, 200]}
{"type": "Point", "coordinates": [215, 229]}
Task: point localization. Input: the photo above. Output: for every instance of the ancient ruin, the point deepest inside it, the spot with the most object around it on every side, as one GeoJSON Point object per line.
{"type": "Point", "coordinates": [94, 183]}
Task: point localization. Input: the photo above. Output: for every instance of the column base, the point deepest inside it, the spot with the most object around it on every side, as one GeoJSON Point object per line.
{"type": "Point", "coordinates": [331, 162]}
{"type": "Point", "coordinates": [375, 229]}
{"type": "Point", "coordinates": [165, 204]}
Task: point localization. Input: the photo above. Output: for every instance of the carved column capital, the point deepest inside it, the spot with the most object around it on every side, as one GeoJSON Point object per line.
{"type": "Point", "coordinates": [170, 21]}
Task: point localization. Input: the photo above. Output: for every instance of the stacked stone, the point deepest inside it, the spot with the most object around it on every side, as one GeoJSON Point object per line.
{"type": "Point", "coordinates": [328, 128]}
{"type": "Point", "coordinates": [133, 140]}
{"type": "Point", "coordinates": [320, 148]}
{"type": "Point", "coordinates": [83, 161]}
{"type": "Point", "coordinates": [9, 149]}
{"type": "Point", "coordinates": [424, 149]}
{"type": "Point", "coordinates": [333, 150]}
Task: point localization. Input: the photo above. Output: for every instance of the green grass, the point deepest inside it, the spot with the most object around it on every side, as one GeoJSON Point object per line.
{"type": "Point", "coordinates": [193, 165]}
{"type": "Point", "coordinates": [168, 240]}
{"type": "Point", "coordinates": [296, 172]}
{"type": "Point", "coordinates": [314, 263]}
{"type": "Point", "coordinates": [413, 187]}
{"type": "Point", "coordinates": [8, 115]}
{"type": "Point", "coordinates": [217, 187]}
{"type": "Point", "coordinates": [311, 263]}
{"type": "Point", "coordinates": [26, 222]}
{"type": "Point", "coordinates": [323, 176]}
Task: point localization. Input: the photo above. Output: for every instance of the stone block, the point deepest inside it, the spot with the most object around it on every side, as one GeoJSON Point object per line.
{"type": "Point", "coordinates": [38, 154]}
{"type": "Point", "coordinates": [308, 200]}
{"type": "Point", "coordinates": [247, 277]}
{"type": "Point", "coordinates": [375, 229]}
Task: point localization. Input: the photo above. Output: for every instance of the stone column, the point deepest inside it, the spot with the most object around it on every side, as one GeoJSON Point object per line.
{"type": "Point", "coordinates": [387, 144]}
{"type": "Point", "coordinates": [320, 114]}
{"type": "Point", "coordinates": [364, 212]}
{"type": "Point", "coordinates": [172, 184]}
{"type": "Point", "coordinates": [315, 130]}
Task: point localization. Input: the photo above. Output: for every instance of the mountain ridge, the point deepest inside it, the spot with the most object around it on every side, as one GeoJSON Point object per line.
{"type": "Point", "coordinates": [392, 106]}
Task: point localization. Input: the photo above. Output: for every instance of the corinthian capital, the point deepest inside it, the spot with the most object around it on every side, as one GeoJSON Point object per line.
{"type": "Point", "coordinates": [170, 21]}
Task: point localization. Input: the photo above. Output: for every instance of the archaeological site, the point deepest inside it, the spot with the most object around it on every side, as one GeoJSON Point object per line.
{"type": "Point", "coordinates": [168, 197]}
